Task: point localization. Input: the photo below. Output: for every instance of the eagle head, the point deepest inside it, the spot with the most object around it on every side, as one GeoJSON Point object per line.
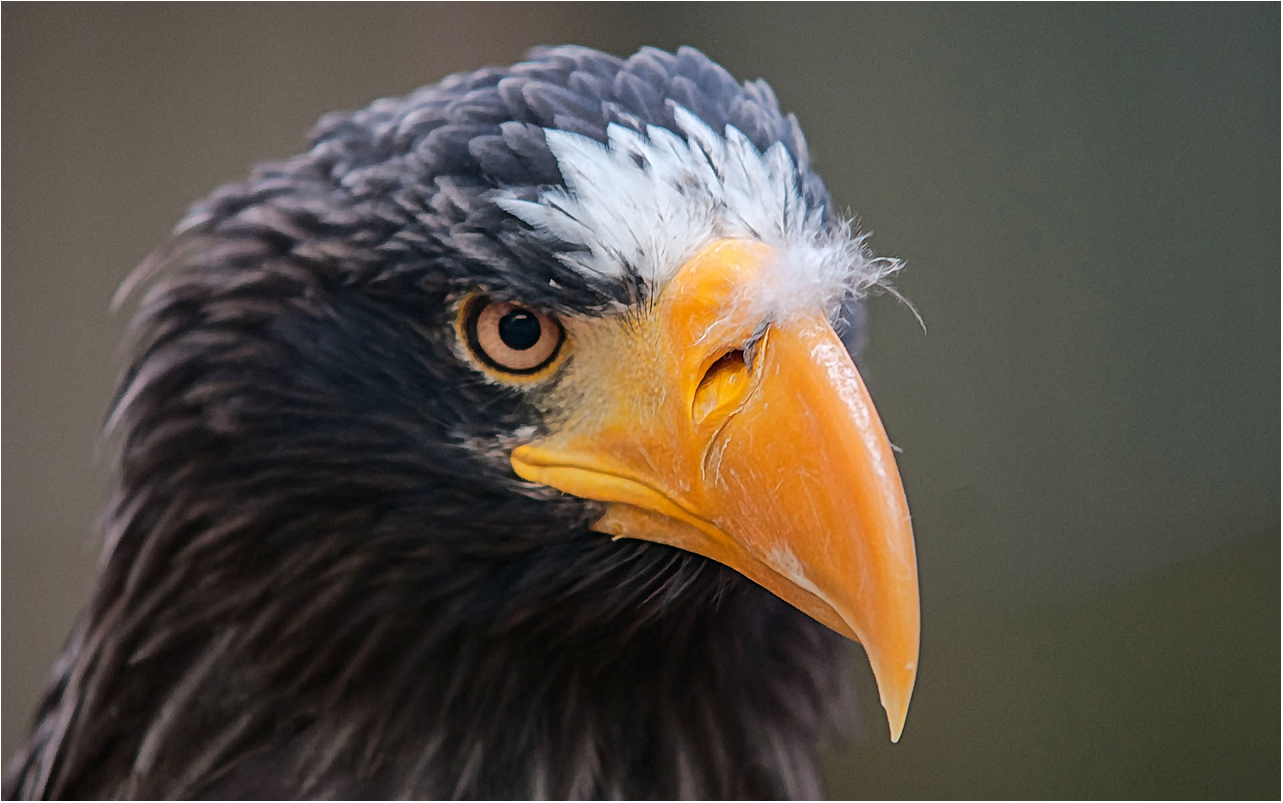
{"type": "Point", "coordinates": [502, 443]}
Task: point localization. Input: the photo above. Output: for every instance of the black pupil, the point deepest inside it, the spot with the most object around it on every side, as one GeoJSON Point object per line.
{"type": "Point", "coordinates": [519, 330]}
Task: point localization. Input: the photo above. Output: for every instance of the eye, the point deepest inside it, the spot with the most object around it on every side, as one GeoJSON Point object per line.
{"type": "Point", "coordinates": [511, 337]}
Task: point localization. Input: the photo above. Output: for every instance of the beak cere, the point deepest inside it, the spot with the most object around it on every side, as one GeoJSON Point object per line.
{"type": "Point", "coordinates": [750, 439]}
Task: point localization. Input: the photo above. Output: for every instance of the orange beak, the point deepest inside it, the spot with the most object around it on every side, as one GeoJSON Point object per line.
{"type": "Point", "coordinates": [752, 442]}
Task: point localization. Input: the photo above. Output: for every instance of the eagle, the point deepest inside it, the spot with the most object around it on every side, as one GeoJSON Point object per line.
{"type": "Point", "coordinates": [505, 444]}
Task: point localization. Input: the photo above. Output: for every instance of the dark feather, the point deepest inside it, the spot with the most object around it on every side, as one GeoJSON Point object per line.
{"type": "Point", "coordinates": [322, 578]}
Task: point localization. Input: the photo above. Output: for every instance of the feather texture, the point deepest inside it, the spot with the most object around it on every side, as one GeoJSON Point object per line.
{"type": "Point", "coordinates": [321, 579]}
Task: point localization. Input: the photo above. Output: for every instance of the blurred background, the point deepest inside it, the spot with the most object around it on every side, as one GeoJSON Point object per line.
{"type": "Point", "coordinates": [1087, 201]}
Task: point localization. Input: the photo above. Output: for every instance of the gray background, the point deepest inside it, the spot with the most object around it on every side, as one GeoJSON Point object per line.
{"type": "Point", "coordinates": [1087, 200]}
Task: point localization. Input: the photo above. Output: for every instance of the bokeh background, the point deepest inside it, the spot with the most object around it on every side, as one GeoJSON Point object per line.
{"type": "Point", "coordinates": [1087, 201]}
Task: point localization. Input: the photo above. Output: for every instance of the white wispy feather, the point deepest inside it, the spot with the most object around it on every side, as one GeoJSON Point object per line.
{"type": "Point", "coordinates": [645, 204]}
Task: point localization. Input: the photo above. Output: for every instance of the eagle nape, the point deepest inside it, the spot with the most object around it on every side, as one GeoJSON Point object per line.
{"type": "Point", "coordinates": [501, 445]}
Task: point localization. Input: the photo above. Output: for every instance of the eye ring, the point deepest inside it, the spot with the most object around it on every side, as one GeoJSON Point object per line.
{"type": "Point", "coordinates": [511, 337]}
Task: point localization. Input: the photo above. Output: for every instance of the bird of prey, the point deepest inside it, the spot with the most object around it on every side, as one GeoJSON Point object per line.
{"type": "Point", "coordinates": [500, 445]}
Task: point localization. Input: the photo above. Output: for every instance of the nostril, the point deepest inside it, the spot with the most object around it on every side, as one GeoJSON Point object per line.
{"type": "Point", "coordinates": [722, 387]}
{"type": "Point", "coordinates": [730, 361]}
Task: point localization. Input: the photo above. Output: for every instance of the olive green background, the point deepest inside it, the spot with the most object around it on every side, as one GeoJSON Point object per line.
{"type": "Point", "coordinates": [1087, 202]}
